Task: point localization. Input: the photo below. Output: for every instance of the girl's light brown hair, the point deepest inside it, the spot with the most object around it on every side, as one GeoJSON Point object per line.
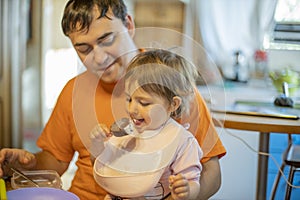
{"type": "Point", "coordinates": [165, 74]}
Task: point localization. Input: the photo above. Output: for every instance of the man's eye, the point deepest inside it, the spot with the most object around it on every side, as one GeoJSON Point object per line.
{"type": "Point", "coordinates": [84, 50]}
{"type": "Point", "coordinates": [108, 41]}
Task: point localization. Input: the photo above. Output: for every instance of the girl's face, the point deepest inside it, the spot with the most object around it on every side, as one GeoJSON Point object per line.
{"type": "Point", "coordinates": [147, 111]}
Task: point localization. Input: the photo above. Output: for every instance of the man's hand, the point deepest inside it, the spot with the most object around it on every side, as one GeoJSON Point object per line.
{"type": "Point", "coordinates": [17, 158]}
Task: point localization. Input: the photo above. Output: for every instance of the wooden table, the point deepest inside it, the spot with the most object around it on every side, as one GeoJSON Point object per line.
{"type": "Point", "coordinates": [265, 126]}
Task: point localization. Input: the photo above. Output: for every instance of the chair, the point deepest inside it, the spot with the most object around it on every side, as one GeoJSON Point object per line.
{"type": "Point", "coordinates": [290, 157]}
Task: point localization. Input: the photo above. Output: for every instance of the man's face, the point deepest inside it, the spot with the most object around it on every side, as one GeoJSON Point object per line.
{"type": "Point", "coordinates": [106, 48]}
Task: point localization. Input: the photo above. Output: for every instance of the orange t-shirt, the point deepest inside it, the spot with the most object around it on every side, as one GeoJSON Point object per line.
{"type": "Point", "coordinates": [82, 104]}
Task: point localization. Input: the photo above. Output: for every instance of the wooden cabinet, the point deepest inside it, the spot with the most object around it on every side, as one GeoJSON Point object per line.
{"type": "Point", "coordinates": [166, 16]}
{"type": "Point", "coordinates": [154, 13]}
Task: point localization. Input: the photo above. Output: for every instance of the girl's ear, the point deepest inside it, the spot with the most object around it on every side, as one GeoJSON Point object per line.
{"type": "Point", "coordinates": [175, 103]}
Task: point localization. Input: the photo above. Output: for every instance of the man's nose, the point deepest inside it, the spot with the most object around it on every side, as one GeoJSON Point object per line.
{"type": "Point", "coordinates": [99, 55]}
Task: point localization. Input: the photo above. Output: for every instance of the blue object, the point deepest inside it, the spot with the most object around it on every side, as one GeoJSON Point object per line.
{"type": "Point", "coordinates": [41, 193]}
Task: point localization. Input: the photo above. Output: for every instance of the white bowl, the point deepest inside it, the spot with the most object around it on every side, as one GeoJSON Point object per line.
{"type": "Point", "coordinates": [131, 166]}
{"type": "Point", "coordinates": [128, 185]}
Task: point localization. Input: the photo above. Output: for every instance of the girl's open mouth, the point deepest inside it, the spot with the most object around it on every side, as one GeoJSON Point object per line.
{"type": "Point", "coordinates": [138, 122]}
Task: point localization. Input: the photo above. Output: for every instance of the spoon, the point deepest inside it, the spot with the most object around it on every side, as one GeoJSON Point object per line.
{"type": "Point", "coordinates": [24, 176]}
{"type": "Point", "coordinates": [121, 127]}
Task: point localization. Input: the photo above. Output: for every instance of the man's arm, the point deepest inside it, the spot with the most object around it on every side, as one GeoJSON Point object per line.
{"type": "Point", "coordinates": [23, 159]}
{"type": "Point", "coordinates": [45, 160]}
{"type": "Point", "coordinates": [210, 179]}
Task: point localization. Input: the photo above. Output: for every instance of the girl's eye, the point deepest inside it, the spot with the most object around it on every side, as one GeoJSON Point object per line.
{"type": "Point", "coordinates": [144, 103]}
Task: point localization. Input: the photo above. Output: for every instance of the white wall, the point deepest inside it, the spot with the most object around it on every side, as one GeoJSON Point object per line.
{"type": "Point", "coordinates": [238, 166]}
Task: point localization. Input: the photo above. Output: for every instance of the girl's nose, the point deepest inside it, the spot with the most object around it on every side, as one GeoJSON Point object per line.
{"type": "Point", "coordinates": [132, 108]}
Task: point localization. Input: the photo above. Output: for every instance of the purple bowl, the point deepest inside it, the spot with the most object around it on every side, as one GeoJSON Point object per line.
{"type": "Point", "coordinates": [42, 193]}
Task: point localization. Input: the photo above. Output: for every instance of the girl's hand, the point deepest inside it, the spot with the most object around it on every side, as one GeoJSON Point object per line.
{"type": "Point", "coordinates": [179, 186]}
{"type": "Point", "coordinates": [99, 134]}
{"type": "Point", "coordinates": [100, 131]}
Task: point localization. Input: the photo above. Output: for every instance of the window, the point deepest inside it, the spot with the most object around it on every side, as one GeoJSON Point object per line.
{"type": "Point", "coordinates": [285, 33]}
{"type": "Point", "coordinates": [287, 11]}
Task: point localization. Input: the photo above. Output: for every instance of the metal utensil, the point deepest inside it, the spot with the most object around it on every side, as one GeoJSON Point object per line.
{"type": "Point", "coordinates": [24, 176]}
{"type": "Point", "coordinates": [285, 89]}
{"type": "Point", "coordinates": [121, 127]}
{"type": "Point", "coordinates": [284, 99]}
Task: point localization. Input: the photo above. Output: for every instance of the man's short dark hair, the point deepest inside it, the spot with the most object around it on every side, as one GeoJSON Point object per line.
{"type": "Point", "coordinates": [78, 14]}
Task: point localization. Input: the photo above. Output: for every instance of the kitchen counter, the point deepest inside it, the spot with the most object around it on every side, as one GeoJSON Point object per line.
{"type": "Point", "coordinates": [219, 96]}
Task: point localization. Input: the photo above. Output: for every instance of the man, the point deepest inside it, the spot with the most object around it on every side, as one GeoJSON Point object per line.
{"type": "Point", "coordinates": [101, 32]}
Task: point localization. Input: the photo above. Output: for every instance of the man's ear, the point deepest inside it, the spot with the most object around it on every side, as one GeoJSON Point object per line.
{"type": "Point", "coordinates": [130, 25]}
{"type": "Point", "coordinates": [175, 103]}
